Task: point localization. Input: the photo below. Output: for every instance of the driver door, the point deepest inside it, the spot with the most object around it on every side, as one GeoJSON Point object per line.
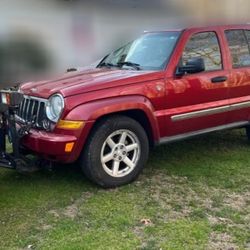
{"type": "Point", "coordinates": [198, 101]}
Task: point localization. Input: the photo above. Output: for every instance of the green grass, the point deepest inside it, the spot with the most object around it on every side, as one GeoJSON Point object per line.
{"type": "Point", "coordinates": [195, 195]}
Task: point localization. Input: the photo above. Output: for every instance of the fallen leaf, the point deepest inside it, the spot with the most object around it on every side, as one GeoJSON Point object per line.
{"type": "Point", "coordinates": [146, 222]}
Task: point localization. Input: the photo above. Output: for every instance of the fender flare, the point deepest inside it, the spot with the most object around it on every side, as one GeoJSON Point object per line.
{"type": "Point", "coordinates": [94, 110]}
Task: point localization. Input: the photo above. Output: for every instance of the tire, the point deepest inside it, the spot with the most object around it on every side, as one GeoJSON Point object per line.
{"type": "Point", "coordinates": [116, 151]}
{"type": "Point", "coordinates": [248, 132]}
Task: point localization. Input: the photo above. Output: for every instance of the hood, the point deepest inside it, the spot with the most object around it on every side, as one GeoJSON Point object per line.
{"type": "Point", "coordinates": [85, 81]}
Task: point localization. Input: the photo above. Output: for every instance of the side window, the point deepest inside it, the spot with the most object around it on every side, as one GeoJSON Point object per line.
{"type": "Point", "coordinates": [204, 45]}
{"type": "Point", "coordinates": [239, 48]}
{"type": "Point", "coordinates": [247, 32]}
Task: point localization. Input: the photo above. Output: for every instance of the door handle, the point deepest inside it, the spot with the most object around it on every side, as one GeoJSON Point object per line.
{"type": "Point", "coordinates": [218, 79]}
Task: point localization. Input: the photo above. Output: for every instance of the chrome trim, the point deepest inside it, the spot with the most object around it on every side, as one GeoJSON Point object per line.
{"type": "Point", "coordinates": [37, 113]}
{"type": "Point", "coordinates": [183, 136]}
{"type": "Point", "coordinates": [21, 108]}
{"type": "Point", "coordinates": [35, 98]}
{"type": "Point", "coordinates": [199, 113]}
{"type": "Point", "coordinates": [32, 109]}
{"type": "Point", "coordinates": [240, 105]}
{"type": "Point", "coordinates": [27, 106]}
{"type": "Point", "coordinates": [27, 113]}
{"type": "Point", "coordinates": [210, 111]}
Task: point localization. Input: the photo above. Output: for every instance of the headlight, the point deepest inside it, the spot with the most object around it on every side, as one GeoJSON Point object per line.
{"type": "Point", "coordinates": [54, 107]}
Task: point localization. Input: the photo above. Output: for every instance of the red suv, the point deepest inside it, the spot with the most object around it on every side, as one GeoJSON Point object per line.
{"type": "Point", "coordinates": [162, 87]}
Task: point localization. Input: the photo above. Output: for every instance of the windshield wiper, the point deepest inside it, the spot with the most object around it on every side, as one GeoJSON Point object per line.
{"type": "Point", "coordinates": [134, 65]}
{"type": "Point", "coordinates": [104, 64]}
{"type": "Point", "coordinates": [131, 64]}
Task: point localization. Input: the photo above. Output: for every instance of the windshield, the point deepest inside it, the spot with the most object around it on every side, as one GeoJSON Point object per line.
{"type": "Point", "coordinates": [149, 52]}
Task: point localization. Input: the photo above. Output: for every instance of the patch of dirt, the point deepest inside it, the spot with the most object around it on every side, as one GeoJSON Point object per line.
{"type": "Point", "coordinates": [220, 241]}
{"type": "Point", "coordinates": [238, 201]}
{"type": "Point", "coordinates": [218, 220]}
{"type": "Point", "coordinates": [146, 242]}
{"type": "Point", "coordinates": [72, 210]}
{"type": "Point", "coordinates": [175, 196]}
{"type": "Point", "coordinates": [54, 213]}
{"type": "Point", "coordinates": [178, 198]}
{"type": "Point", "coordinates": [46, 227]}
{"type": "Point", "coordinates": [247, 220]}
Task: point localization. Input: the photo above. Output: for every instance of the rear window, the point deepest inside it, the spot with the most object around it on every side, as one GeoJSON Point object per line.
{"type": "Point", "coordinates": [238, 41]}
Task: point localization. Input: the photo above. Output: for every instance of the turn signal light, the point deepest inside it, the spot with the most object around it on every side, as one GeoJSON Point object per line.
{"type": "Point", "coordinates": [69, 146]}
{"type": "Point", "coordinates": [64, 124]}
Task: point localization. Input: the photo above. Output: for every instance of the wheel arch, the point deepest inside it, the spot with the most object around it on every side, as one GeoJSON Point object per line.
{"type": "Point", "coordinates": [138, 108]}
{"type": "Point", "coordinates": [137, 115]}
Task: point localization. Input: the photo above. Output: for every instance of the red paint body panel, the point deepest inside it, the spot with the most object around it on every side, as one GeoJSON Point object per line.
{"type": "Point", "coordinates": [51, 145]}
{"type": "Point", "coordinates": [161, 95]}
{"type": "Point", "coordinates": [239, 91]}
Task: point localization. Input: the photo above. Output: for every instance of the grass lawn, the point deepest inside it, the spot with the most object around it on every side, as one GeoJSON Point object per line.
{"type": "Point", "coordinates": [192, 194]}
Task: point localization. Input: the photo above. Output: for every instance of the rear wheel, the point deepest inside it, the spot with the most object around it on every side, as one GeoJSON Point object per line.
{"type": "Point", "coordinates": [115, 152]}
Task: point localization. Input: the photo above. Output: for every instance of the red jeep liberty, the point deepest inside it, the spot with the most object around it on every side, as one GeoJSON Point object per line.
{"type": "Point", "coordinates": [162, 87]}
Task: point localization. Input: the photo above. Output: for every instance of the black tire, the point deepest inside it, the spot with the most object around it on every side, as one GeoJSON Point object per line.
{"type": "Point", "coordinates": [90, 160]}
{"type": "Point", "coordinates": [248, 132]}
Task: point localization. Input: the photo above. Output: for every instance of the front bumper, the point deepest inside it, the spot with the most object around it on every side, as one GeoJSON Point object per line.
{"type": "Point", "coordinates": [51, 145]}
{"type": "Point", "coordinates": [61, 145]}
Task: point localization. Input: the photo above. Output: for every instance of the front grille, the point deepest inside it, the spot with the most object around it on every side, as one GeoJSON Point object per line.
{"type": "Point", "coordinates": [32, 109]}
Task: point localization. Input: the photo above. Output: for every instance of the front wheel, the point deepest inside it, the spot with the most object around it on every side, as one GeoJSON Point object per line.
{"type": "Point", "coordinates": [115, 152]}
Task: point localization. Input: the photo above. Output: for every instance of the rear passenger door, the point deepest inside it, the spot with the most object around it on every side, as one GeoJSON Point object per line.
{"type": "Point", "coordinates": [239, 86]}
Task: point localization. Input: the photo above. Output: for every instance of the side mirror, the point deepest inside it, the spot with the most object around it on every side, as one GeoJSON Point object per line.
{"type": "Point", "coordinates": [193, 65]}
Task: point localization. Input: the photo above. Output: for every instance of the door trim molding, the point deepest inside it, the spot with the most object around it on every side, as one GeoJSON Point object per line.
{"type": "Point", "coordinates": [183, 136]}
{"type": "Point", "coordinates": [210, 111]}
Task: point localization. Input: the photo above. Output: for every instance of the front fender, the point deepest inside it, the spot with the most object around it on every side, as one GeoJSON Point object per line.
{"type": "Point", "coordinates": [91, 111]}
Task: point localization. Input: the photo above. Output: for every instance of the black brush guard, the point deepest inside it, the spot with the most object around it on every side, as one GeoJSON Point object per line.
{"type": "Point", "coordinates": [17, 158]}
